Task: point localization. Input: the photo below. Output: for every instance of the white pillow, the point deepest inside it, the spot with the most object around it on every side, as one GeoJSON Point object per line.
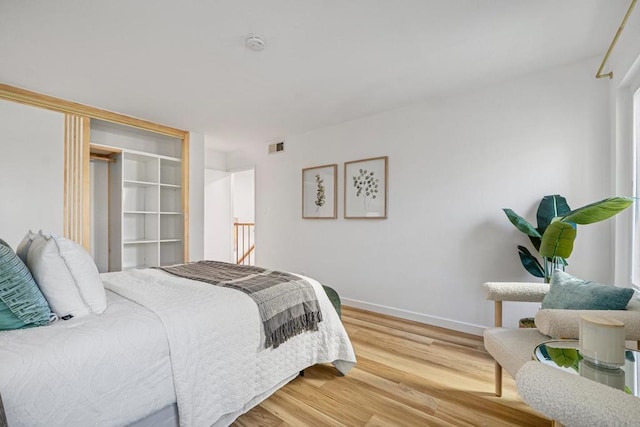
{"type": "Point", "coordinates": [67, 276]}
{"type": "Point", "coordinates": [23, 248]}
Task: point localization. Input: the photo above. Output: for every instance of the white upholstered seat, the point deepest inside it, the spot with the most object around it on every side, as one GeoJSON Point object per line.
{"type": "Point", "coordinates": [511, 348]}
{"type": "Point", "coordinates": [575, 401]}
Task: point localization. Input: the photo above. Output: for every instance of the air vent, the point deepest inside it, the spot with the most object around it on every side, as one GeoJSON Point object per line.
{"type": "Point", "coordinates": [276, 147]}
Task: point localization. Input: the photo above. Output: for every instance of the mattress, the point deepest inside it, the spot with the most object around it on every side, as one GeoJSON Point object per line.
{"type": "Point", "coordinates": [98, 370]}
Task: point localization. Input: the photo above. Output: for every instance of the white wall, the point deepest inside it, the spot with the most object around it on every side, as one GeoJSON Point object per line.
{"type": "Point", "coordinates": [453, 164]}
{"type": "Point", "coordinates": [243, 193]}
{"type": "Point", "coordinates": [196, 196]}
{"type": "Point", "coordinates": [214, 159]}
{"type": "Point", "coordinates": [218, 224]}
{"type": "Point", "coordinates": [32, 165]}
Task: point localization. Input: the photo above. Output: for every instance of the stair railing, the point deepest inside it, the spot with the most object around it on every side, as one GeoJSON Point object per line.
{"type": "Point", "coordinates": [243, 242]}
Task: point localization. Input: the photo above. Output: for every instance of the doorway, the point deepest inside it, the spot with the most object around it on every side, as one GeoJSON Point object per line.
{"type": "Point", "coordinates": [229, 210]}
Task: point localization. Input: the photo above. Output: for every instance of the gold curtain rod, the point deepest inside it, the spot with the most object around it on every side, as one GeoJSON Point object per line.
{"type": "Point", "coordinates": [599, 74]}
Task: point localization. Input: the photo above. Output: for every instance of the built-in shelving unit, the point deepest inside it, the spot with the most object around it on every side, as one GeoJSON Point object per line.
{"type": "Point", "coordinates": [147, 224]}
{"type": "Point", "coordinates": [94, 140]}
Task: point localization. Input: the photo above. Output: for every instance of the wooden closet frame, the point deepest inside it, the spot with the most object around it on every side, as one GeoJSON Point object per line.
{"type": "Point", "coordinates": [77, 221]}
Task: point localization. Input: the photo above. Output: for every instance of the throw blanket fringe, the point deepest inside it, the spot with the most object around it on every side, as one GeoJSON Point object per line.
{"type": "Point", "coordinates": [306, 322]}
{"type": "Point", "coordinates": [287, 304]}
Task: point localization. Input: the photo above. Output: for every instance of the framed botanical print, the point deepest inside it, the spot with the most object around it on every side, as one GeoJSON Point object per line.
{"type": "Point", "coordinates": [320, 192]}
{"type": "Point", "coordinates": [365, 188]}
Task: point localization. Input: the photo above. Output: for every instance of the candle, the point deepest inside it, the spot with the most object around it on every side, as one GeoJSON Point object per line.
{"type": "Point", "coordinates": [602, 341]}
{"type": "Point", "coordinates": [612, 377]}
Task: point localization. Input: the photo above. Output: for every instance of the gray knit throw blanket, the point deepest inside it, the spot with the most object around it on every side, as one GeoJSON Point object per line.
{"type": "Point", "coordinates": [288, 305]}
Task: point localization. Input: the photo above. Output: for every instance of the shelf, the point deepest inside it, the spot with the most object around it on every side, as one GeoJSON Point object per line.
{"type": "Point", "coordinates": [170, 185]}
{"type": "Point", "coordinates": [144, 253]}
{"type": "Point", "coordinates": [140, 168]}
{"type": "Point", "coordinates": [171, 251]}
{"type": "Point", "coordinates": [171, 227]}
{"type": "Point", "coordinates": [140, 197]}
{"type": "Point", "coordinates": [143, 154]}
{"type": "Point", "coordinates": [104, 150]}
{"type": "Point", "coordinates": [170, 159]}
{"type": "Point", "coordinates": [140, 183]}
{"type": "Point", "coordinates": [136, 267]}
{"type": "Point", "coordinates": [170, 172]}
{"type": "Point", "coordinates": [141, 212]}
{"type": "Point", "coordinates": [170, 213]}
{"type": "Point", "coordinates": [170, 199]}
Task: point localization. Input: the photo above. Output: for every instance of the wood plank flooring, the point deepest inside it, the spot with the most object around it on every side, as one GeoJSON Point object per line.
{"type": "Point", "coordinates": [408, 374]}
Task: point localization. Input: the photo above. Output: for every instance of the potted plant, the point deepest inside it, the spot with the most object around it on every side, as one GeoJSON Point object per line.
{"type": "Point", "coordinates": [556, 232]}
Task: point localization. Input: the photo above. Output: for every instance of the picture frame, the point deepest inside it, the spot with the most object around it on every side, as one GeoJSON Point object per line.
{"type": "Point", "coordinates": [320, 192]}
{"type": "Point", "coordinates": [365, 188]}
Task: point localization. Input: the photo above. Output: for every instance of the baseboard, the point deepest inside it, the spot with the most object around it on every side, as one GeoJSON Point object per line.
{"type": "Point", "coordinates": [442, 322]}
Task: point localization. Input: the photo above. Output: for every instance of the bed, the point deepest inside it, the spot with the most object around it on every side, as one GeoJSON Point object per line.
{"type": "Point", "coordinates": [165, 349]}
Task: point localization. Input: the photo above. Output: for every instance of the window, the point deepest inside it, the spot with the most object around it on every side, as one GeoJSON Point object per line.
{"type": "Point", "coordinates": [635, 250]}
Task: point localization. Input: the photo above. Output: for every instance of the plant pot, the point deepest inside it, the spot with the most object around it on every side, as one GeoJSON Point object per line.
{"type": "Point", "coordinates": [527, 322]}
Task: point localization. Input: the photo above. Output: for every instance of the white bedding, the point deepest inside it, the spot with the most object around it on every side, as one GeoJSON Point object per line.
{"type": "Point", "coordinates": [218, 359]}
{"type": "Point", "coordinates": [98, 370]}
{"type": "Point", "coordinates": [115, 368]}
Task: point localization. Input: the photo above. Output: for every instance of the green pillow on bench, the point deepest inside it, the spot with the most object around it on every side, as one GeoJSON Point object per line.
{"type": "Point", "coordinates": [569, 292]}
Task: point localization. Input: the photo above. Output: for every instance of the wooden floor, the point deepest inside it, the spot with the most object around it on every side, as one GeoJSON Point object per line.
{"type": "Point", "coordinates": [408, 374]}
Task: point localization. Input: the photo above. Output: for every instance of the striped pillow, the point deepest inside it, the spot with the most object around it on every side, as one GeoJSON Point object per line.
{"type": "Point", "coordinates": [21, 302]}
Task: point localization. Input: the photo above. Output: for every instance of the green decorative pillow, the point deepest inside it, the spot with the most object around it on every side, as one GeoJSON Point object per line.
{"type": "Point", "coordinates": [21, 302]}
{"type": "Point", "coordinates": [334, 298]}
{"type": "Point", "coordinates": [569, 292]}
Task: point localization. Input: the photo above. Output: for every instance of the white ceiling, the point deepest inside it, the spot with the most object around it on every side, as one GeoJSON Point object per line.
{"type": "Point", "coordinates": [184, 63]}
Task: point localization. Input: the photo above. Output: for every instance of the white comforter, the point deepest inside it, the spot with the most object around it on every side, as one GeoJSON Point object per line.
{"type": "Point", "coordinates": [104, 370]}
{"type": "Point", "coordinates": [218, 358]}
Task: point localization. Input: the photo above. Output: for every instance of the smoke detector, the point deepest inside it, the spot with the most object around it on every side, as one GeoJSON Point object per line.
{"type": "Point", "coordinates": [255, 42]}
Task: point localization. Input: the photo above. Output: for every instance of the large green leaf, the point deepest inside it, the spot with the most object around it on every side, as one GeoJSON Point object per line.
{"type": "Point", "coordinates": [535, 241]}
{"type": "Point", "coordinates": [558, 239]}
{"type": "Point", "coordinates": [565, 357]}
{"type": "Point", "coordinates": [530, 262]}
{"type": "Point", "coordinates": [598, 211]}
{"type": "Point", "coordinates": [549, 208]}
{"type": "Point", "coordinates": [521, 223]}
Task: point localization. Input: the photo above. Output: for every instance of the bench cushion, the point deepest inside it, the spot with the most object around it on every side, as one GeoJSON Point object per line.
{"type": "Point", "coordinates": [516, 291]}
{"type": "Point", "coordinates": [565, 323]}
